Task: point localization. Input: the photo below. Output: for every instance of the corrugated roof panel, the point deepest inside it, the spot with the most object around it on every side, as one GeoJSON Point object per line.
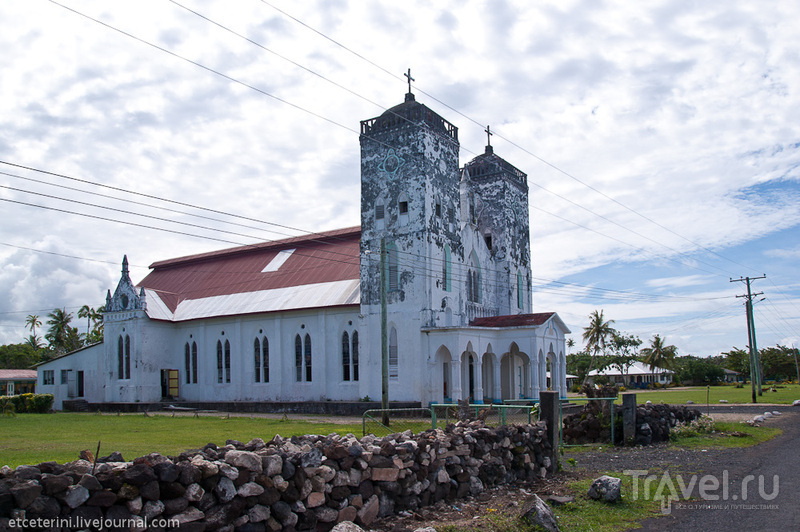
{"type": "Point", "coordinates": [337, 293]}
{"type": "Point", "coordinates": [319, 258]}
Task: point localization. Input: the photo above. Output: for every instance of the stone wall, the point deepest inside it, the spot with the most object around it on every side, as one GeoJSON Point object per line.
{"type": "Point", "coordinates": [307, 483]}
{"type": "Point", "coordinates": [653, 422]}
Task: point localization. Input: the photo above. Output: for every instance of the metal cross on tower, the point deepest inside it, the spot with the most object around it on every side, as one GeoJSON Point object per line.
{"type": "Point", "coordinates": [410, 79]}
{"type": "Point", "coordinates": [488, 136]}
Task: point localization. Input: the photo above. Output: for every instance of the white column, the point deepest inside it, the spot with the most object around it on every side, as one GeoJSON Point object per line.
{"type": "Point", "coordinates": [455, 373]}
{"type": "Point", "coordinates": [563, 376]}
{"type": "Point", "coordinates": [543, 373]}
{"type": "Point", "coordinates": [498, 389]}
{"type": "Point", "coordinates": [535, 377]}
{"type": "Point", "coordinates": [478, 375]}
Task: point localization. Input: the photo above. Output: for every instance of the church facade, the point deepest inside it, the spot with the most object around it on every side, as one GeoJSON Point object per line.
{"type": "Point", "coordinates": [445, 250]}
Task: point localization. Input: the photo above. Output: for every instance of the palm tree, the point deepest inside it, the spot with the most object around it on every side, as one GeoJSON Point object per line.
{"type": "Point", "coordinates": [570, 345]}
{"type": "Point", "coordinates": [87, 312]}
{"type": "Point", "coordinates": [58, 334]}
{"type": "Point", "coordinates": [659, 355]}
{"type": "Point", "coordinates": [596, 336]}
{"type": "Point", "coordinates": [33, 321]}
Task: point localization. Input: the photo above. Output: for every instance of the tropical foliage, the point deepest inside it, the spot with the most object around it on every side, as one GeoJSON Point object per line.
{"type": "Point", "coordinates": [596, 336]}
{"type": "Point", "coordinates": [659, 354]}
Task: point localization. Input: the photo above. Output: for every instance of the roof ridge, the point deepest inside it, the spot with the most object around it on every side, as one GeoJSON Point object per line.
{"type": "Point", "coordinates": [249, 248]}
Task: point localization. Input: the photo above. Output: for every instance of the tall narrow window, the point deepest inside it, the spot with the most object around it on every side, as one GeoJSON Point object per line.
{"type": "Point", "coordinates": [265, 358]}
{"type": "Point", "coordinates": [219, 361]}
{"type": "Point", "coordinates": [469, 285]}
{"type": "Point", "coordinates": [194, 362]}
{"type": "Point", "coordinates": [345, 356]}
{"type": "Point", "coordinates": [307, 353]}
{"type": "Point", "coordinates": [127, 357]}
{"type": "Point", "coordinates": [519, 290]}
{"type": "Point", "coordinates": [379, 211]}
{"type": "Point", "coordinates": [355, 355]}
{"type": "Point", "coordinates": [393, 356]}
{"type": "Point", "coordinates": [227, 361]}
{"type": "Point", "coordinates": [298, 358]}
{"type": "Point", "coordinates": [188, 359]}
{"type": "Point", "coordinates": [447, 275]}
{"type": "Point", "coordinates": [120, 358]}
{"type": "Point", "coordinates": [257, 356]}
{"type": "Point", "coordinates": [393, 273]}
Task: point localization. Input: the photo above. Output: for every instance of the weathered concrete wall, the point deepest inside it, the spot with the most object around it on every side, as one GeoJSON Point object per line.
{"type": "Point", "coordinates": [307, 483]}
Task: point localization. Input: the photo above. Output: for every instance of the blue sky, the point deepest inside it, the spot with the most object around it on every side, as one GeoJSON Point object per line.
{"type": "Point", "coordinates": [661, 142]}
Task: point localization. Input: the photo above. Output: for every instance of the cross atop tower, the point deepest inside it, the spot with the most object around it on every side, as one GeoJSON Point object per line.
{"type": "Point", "coordinates": [409, 96]}
{"type": "Point", "coordinates": [489, 139]}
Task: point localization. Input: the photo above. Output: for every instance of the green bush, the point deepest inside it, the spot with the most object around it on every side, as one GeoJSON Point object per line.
{"type": "Point", "coordinates": [29, 403]}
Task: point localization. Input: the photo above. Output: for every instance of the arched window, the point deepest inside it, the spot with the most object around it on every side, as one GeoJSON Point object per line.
{"type": "Point", "coordinates": [261, 356]}
{"type": "Point", "coordinates": [307, 357]}
{"type": "Point", "coordinates": [227, 361]}
{"type": "Point", "coordinates": [194, 362]}
{"type": "Point", "coordinates": [120, 359]}
{"type": "Point", "coordinates": [380, 213]}
{"type": "Point", "coordinates": [219, 361]}
{"type": "Point", "coordinates": [393, 356]}
{"type": "Point", "coordinates": [187, 355]}
{"type": "Point", "coordinates": [447, 275]}
{"type": "Point", "coordinates": [298, 358]}
{"type": "Point", "coordinates": [265, 358]}
{"type": "Point", "coordinates": [127, 357]}
{"type": "Point", "coordinates": [355, 355]}
{"type": "Point", "coordinates": [345, 356]}
{"type": "Point", "coordinates": [391, 252]}
{"type": "Point", "coordinates": [474, 280]}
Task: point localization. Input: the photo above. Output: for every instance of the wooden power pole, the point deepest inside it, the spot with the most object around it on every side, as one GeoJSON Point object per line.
{"type": "Point", "coordinates": [755, 366]}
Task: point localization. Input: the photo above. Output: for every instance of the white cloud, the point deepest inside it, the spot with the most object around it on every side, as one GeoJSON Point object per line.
{"type": "Point", "coordinates": [682, 111]}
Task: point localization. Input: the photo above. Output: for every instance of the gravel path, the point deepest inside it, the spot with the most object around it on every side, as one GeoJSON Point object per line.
{"type": "Point", "coordinates": [762, 462]}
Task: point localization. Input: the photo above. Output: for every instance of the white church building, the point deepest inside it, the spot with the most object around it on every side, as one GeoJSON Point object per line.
{"type": "Point", "coordinates": [299, 320]}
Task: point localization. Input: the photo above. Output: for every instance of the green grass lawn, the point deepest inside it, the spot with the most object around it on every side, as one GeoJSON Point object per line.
{"type": "Point", "coordinates": [783, 395]}
{"type": "Point", "coordinates": [35, 438]}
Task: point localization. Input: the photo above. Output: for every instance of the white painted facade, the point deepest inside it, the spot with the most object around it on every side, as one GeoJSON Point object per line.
{"type": "Point", "coordinates": [459, 299]}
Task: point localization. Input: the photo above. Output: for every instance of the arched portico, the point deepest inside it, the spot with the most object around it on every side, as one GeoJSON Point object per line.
{"type": "Point", "coordinates": [443, 375]}
{"type": "Point", "coordinates": [515, 374]}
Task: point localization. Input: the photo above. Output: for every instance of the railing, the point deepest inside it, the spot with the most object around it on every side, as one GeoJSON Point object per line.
{"type": "Point", "coordinates": [476, 310]}
{"type": "Point", "coordinates": [382, 422]}
{"type": "Point", "coordinates": [491, 414]}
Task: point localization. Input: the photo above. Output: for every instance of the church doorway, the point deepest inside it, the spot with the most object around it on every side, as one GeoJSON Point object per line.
{"type": "Point", "coordinates": [169, 383]}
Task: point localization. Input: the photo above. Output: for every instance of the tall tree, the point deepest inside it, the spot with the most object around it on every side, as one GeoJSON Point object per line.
{"type": "Point", "coordinates": [570, 345]}
{"type": "Point", "coordinates": [596, 336]}
{"type": "Point", "coordinates": [62, 337]}
{"type": "Point", "coordinates": [659, 355]}
{"type": "Point", "coordinates": [625, 351]}
{"type": "Point", "coordinates": [86, 312]}
{"type": "Point", "coordinates": [33, 321]}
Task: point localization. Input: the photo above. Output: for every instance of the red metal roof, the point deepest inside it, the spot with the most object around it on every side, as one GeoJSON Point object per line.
{"type": "Point", "coordinates": [17, 374]}
{"type": "Point", "coordinates": [514, 320]}
{"type": "Point", "coordinates": [317, 258]}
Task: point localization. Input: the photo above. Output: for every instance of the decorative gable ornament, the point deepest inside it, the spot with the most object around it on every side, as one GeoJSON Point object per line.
{"type": "Point", "coordinates": [125, 297]}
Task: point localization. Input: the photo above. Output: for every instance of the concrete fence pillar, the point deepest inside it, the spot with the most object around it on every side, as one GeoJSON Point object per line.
{"type": "Point", "coordinates": [628, 418]}
{"type": "Point", "coordinates": [550, 413]}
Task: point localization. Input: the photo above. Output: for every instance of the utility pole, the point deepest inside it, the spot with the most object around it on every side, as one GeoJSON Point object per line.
{"type": "Point", "coordinates": [384, 339]}
{"type": "Point", "coordinates": [755, 373]}
{"type": "Point", "coordinates": [797, 367]}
